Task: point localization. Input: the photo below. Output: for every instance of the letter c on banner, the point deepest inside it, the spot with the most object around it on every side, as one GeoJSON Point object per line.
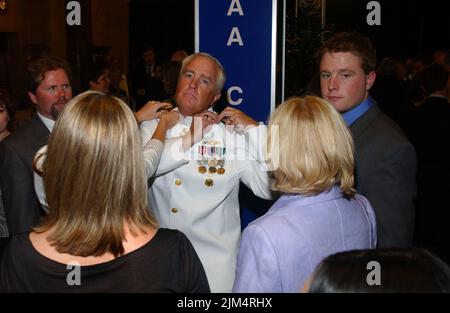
{"type": "Point", "coordinates": [230, 100]}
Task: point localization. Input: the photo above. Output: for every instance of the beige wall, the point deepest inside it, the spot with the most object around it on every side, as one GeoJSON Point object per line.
{"type": "Point", "coordinates": [43, 22]}
{"type": "Point", "coordinates": [57, 28]}
{"type": "Point", "coordinates": [37, 22]}
{"type": "Point", "coordinates": [33, 22]}
{"type": "Point", "coordinates": [10, 22]}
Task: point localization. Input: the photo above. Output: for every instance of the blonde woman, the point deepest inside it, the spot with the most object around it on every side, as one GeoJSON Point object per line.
{"type": "Point", "coordinates": [98, 235]}
{"type": "Point", "coordinates": [319, 212]}
{"type": "Point", "coordinates": [152, 149]}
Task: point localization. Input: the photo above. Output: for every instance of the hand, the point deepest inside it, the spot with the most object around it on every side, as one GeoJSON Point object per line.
{"type": "Point", "coordinates": [200, 122]}
{"type": "Point", "coordinates": [166, 121]}
{"type": "Point", "coordinates": [170, 119]}
{"type": "Point", "coordinates": [150, 111]}
{"type": "Point", "coordinates": [239, 119]}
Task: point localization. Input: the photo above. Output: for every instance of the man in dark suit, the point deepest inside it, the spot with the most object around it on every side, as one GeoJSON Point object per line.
{"type": "Point", "coordinates": [145, 84]}
{"type": "Point", "coordinates": [430, 130]}
{"type": "Point", "coordinates": [385, 162]}
{"type": "Point", "coordinates": [49, 88]}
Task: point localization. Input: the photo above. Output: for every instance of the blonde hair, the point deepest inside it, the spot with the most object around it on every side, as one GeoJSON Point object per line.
{"type": "Point", "coordinates": [94, 177]}
{"type": "Point", "coordinates": [315, 148]}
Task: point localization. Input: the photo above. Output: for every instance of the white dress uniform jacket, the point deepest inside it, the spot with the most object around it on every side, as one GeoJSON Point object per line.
{"type": "Point", "coordinates": [205, 206]}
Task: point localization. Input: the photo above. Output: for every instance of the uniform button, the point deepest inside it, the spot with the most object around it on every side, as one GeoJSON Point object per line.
{"type": "Point", "coordinates": [178, 182]}
{"type": "Point", "coordinates": [174, 210]}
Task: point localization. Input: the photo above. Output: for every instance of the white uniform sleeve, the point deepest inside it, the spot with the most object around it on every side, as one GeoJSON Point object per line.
{"type": "Point", "coordinates": [172, 155]}
{"type": "Point", "coordinates": [256, 175]}
{"type": "Point", "coordinates": [38, 181]}
{"type": "Point", "coordinates": [152, 154]}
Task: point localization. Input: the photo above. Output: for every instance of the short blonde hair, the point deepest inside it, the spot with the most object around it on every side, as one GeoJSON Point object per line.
{"type": "Point", "coordinates": [94, 177]}
{"type": "Point", "coordinates": [315, 148]}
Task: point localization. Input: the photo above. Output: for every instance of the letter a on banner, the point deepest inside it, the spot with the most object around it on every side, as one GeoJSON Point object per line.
{"type": "Point", "coordinates": [235, 36]}
{"type": "Point", "coordinates": [235, 6]}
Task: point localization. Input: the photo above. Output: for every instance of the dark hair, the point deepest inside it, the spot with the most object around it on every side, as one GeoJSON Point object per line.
{"type": "Point", "coordinates": [353, 42]}
{"type": "Point", "coordinates": [147, 47]}
{"type": "Point", "coordinates": [387, 66]}
{"type": "Point", "coordinates": [7, 102]}
{"type": "Point", "coordinates": [92, 75]}
{"type": "Point", "coordinates": [433, 78]}
{"type": "Point", "coordinates": [38, 68]}
{"type": "Point", "coordinates": [170, 73]}
{"type": "Point", "coordinates": [401, 270]}
{"type": "Point", "coordinates": [446, 53]}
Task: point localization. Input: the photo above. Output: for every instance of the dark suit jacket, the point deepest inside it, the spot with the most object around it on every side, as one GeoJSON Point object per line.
{"type": "Point", "coordinates": [16, 180]}
{"type": "Point", "coordinates": [385, 173]}
{"type": "Point", "coordinates": [154, 88]}
{"type": "Point", "coordinates": [430, 133]}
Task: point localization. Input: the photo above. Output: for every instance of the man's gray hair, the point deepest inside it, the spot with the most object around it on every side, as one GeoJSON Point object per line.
{"type": "Point", "coordinates": [220, 79]}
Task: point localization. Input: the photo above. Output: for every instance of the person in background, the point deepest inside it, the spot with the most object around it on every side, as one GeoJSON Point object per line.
{"type": "Point", "coordinates": [152, 148]}
{"type": "Point", "coordinates": [5, 114]}
{"type": "Point", "coordinates": [429, 130]}
{"type": "Point", "coordinates": [144, 85]}
{"type": "Point", "coordinates": [442, 57]}
{"type": "Point", "coordinates": [108, 233]}
{"type": "Point", "coordinates": [178, 56]}
{"type": "Point", "coordinates": [170, 73]}
{"type": "Point", "coordinates": [385, 161]}
{"type": "Point", "coordinates": [49, 88]}
{"type": "Point", "coordinates": [385, 270]}
{"type": "Point", "coordinates": [5, 118]}
{"type": "Point", "coordinates": [97, 79]}
{"type": "Point", "coordinates": [389, 89]}
{"type": "Point", "coordinates": [119, 81]}
{"type": "Point", "coordinates": [319, 212]}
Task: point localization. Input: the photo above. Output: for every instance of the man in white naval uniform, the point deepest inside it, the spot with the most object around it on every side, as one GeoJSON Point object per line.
{"type": "Point", "coordinates": [196, 185]}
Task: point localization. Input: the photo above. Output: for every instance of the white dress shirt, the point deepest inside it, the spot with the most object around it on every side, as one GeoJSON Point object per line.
{"type": "Point", "coordinates": [49, 123]}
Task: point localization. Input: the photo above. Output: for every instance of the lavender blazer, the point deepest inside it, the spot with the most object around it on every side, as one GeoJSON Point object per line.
{"type": "Point", "coordinates": [280, 250]}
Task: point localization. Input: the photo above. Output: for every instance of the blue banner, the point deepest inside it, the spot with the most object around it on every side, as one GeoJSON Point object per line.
{"type": "Point", "coordinates": [241, 34]}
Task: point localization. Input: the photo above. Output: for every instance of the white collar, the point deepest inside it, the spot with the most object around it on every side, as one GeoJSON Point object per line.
{"type": "Point", "coordinates": [187, 120]}
{"type": "Point", "coordinates": [49, 123]}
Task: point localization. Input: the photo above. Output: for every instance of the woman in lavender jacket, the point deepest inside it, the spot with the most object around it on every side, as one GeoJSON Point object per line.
{"type": "Point", "coordinates": [319, 212]}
